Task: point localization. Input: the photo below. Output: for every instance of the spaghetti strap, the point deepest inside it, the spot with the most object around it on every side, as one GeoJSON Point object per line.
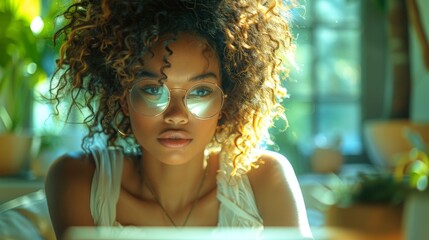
{"type": "Point", "coordinates": [106, 184]}
{"type": "Point", "coordinates": [237, 202]}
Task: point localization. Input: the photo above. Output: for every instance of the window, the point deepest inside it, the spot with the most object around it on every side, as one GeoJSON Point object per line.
{"type": "Point", "coordinates": [324, 105]}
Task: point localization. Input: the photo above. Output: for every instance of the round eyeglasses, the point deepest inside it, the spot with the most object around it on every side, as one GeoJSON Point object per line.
{"type": "Point", "coordinates": [150, 98]}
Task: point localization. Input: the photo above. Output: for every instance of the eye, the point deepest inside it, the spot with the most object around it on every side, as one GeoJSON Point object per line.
{"type": "Point", "coordinates": [201, 91]}
{"type": "Point", "coordinates": [152, 90]}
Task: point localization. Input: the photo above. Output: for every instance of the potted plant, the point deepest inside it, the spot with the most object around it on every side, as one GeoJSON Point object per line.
{"type": "Point", "coordinates": [385, 204]}
{"type": "Point", "coordinates": [413, 167]}
{"type": "Point", "coordinates": [23, 50]}
{"type": "Point", "coordinates": [368, 207]}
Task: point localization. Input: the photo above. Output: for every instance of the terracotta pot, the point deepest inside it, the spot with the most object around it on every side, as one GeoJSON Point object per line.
{"type": "Point", "coordinates": [385, 141]}
{"type": "Point", "coordinates": [365, 221]}
{"type": "Point", "coordinates": [16, 152]}
{"type": "Point", "coordinates": [326, 160]}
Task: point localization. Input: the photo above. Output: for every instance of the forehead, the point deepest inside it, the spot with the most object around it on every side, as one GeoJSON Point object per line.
{"type": "Point", "coordinates": [184, 56]}
{"type": "Point", "coordinates": [181, 41]}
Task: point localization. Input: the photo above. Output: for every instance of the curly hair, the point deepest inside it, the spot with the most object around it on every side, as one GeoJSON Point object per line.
{"type": "Point", "coordinates": [104, 42]}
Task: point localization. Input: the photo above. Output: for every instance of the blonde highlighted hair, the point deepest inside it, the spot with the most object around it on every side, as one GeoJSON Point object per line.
{"type": "Point", "coordinates": [104, 42]}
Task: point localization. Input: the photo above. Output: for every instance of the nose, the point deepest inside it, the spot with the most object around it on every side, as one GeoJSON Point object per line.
{"type": "Point", "coordinates": [176, 112]}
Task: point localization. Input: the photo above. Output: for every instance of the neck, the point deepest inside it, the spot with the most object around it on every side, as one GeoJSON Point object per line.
{"type": "Point", "coordinates": [175, 186]}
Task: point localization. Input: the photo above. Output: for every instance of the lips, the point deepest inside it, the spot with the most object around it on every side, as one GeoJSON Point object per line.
{"type": "Point", "coordinates": [174, 138]}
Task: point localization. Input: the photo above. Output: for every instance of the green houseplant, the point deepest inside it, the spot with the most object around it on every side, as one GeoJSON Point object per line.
{"type": "Point", "coordinates": [386, 204]}
{"type": "Point", "coordinates": [369, 207]}
{"type": "Point", "coordinates": [413, 167]}
{"type": "Point", "coordinates": [23, 50]}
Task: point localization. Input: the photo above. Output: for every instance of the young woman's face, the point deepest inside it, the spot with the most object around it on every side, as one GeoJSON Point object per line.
{"type": "Point", "coordinates": [177, 130]}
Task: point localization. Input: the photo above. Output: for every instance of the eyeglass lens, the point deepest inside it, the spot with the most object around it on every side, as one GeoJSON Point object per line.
{"type": "Point", "coordinates": [149, 98]}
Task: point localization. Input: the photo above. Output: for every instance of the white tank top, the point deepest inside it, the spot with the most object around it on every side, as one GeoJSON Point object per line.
{"type": "Point", "coordinates": [237, 202]}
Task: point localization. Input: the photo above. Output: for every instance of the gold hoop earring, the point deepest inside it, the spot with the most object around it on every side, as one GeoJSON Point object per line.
{"type": "Point", "coordinates": [116, 125]}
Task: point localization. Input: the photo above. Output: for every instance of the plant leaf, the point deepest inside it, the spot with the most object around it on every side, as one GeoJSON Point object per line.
{"type": "Point", "coordinates": [5, 118]}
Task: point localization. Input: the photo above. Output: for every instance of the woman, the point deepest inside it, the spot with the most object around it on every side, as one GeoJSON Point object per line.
{"type": "Point", "coordinates": [184, 91]}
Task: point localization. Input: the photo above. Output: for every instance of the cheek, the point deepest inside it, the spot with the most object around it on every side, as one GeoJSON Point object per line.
{"type": "Point", "coordinates": [141, 126]}
{"type": "Point", "coordinates": [209, 127]}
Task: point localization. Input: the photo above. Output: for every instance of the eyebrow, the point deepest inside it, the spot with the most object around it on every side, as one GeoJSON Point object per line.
{"type": "Point", "coordinates": [203, 76]}
{"type": "Point", "coordinates": [148, 74]}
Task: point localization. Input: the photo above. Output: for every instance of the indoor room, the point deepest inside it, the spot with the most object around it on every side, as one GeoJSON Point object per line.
{"type": "Point", "coordinates": [355, 127]}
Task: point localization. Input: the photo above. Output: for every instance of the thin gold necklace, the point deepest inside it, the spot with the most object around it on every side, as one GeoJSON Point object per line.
{"type": "Point", "coordinates": [155, 196]}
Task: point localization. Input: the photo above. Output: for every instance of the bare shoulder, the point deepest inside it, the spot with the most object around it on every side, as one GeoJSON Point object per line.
{"type": "Point", "coordinates": [73, 161]}
{"type": "Point", "coordinates": [277, 192]}
{"type": "Point", "coordinates": [273, 169]}
{"type": "Point", "coordinates": [69, 170]}
{"type": "Point", "coordinates": [272, 163]}
{"type": "Point", "coordinates": [68, 188]}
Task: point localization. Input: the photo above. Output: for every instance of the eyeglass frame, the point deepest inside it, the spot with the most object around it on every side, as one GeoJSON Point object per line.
{"type": "Point", "coordinates": [224, 96]}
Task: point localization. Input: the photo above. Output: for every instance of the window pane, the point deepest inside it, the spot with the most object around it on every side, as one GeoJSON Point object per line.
{"type": "Point", "coordinates": [337, 68]}
{"type": "Point", "coordinates": [299, 133]}
{"type": "Point", "coordinates": [295, 142]}
{"type": "Point", "coordinates": [337, 11]}
{"type": "Point", "coordinates": [299, 83]}
{"type": "Point", "coordinates": [340, 120]}
{"type": "Point", "coordinates": [299, 115]}
{"type": "Point", "coordinates": [302, 14]}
